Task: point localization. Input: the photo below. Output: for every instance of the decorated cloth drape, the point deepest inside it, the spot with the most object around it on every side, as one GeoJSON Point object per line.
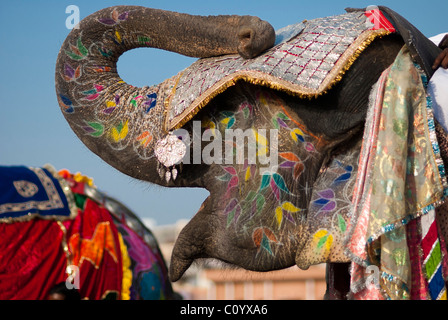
{"type": "Point", "coordinates": [32, 259]}
{"type": "Point", "coordinates": [94, 247]}
{"type": "Point", "coordinates": [401, 180]}
{"type": "Point", "coordinates": [142, 271]}
{"type": "Point", "coordinates": [112, 260]}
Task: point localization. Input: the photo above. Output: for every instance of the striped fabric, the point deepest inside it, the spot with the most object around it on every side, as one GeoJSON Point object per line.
{"type": "Point", "coordinates": [432, 257]}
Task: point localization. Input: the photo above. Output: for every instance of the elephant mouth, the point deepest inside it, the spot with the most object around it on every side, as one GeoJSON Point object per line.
{"type": "Point", "coordinates": [207, 236]}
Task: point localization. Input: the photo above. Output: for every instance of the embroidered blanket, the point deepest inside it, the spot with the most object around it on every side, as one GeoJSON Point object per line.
{"type": "Point", "coordinates": [310, 58]}
{"type": "Point", "coordinates": [27, 192]}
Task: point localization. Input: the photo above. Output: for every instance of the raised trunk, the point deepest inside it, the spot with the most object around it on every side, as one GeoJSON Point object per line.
{"type": "Point", "coordinates": [119, 122]}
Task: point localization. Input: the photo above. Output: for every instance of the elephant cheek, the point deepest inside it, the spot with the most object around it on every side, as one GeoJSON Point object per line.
{"type": "Point", "coordinates": [252, 246]}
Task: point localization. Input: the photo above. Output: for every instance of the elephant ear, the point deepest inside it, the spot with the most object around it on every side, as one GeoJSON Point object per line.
{"type": "Point", "coordinates": [329, 211]}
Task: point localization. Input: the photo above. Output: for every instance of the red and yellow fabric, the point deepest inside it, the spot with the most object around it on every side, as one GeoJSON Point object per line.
{"type": "Point", "coordinates": [378, 19]}
{"type": "Point", "coordinates": [94, 246]}
{"type": "Point", "coordinates": [33, 260]}
{"type": "Point", "coordinates": [34, 254]}
{"type": "Point", "coordinates": [127, 273]}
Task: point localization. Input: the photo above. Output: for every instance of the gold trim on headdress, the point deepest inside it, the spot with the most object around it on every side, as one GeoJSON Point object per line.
{"type": "Point", "coordinates": [259, 78]}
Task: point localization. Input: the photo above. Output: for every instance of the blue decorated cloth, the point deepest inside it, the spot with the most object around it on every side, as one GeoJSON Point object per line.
{"type": "Point", "coordinates": [27, 192]}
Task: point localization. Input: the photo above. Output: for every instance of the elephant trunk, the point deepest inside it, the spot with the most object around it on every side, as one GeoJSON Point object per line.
{"type": "Point", "coordinates": [119, 122]}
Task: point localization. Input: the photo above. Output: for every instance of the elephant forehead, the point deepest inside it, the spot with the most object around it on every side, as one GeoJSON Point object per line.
{"type": "Point", "coordinates": [307, 65]}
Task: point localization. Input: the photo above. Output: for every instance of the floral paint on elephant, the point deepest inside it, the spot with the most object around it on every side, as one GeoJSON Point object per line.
{"type": "Point", "coordinates": [128, 117]}
{"type": "Point", "coordinates": [266, 206]}
{"type": "Point", "coordinates": [114, 120]}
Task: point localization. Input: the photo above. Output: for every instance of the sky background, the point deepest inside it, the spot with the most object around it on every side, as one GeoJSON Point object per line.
{"type": "Point", "coordinates": [34, 132]}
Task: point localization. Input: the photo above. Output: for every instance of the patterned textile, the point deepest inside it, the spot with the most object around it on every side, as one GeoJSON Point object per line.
{"type": "Point", "coordinates": [149, 279]}
{"type": "Point", "coordinates": [419, 285]}
{"type": "Point", "coordinates": [26, 193]}
{"type": "Point", "coordinates": [35, 254]}
{"type": "Point", "coordinates": [401, 177]}
{"type": "Point", "coordinates": [429, 261]}
{"type": "Point", "coordinates": [93, 246]}
{"type": "Point", "coordinates": [306, 65]}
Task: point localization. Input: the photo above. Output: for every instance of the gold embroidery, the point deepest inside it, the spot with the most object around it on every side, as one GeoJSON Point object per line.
{"type": "Point", "coordinates": [54, 200]}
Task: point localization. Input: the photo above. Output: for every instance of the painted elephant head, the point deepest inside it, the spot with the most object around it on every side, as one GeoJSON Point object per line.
{"type": "Point", "coordinates": [265, 128]}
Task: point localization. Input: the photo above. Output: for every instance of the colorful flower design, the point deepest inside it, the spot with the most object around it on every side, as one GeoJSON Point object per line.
{"type": "Point", "coordinates": [232, 211]}
{"type": "Point", "coordinates": [278, 120]}
{"type": "Point", "coordinates": [119, 132]}
{"type": "Point", "coordinates": [78, 51]}
{"type": "Point", "coordinates": [284, 212]}
{"type": "Point", "coordinates": [95, 129]}
{"type": "Point", "coordinates": [231, 176]}
{"type": "Point", "coordinates": [323, 241]}
{"type": "Point", "coordinates": [71, 73]}
{"type": "Point", "coordinates": [326, 201]}
{"type": "Point", "coordinates": [92, 94]}
{"type": "Point", "coordinates": [66, 103]}
{"type": "Point", "coordinates": [249, 169]}
{"type": "Point", "coordinates": [115, 18]}
{"type": "Point", "coordinates": [346, 175]}
{"type": "Point", "coordinates": [145, 138]}
{"type": "Point", "coordinates": [228, 119]}
{"type": "Point", "coordinates": [263, 237]}
{"type": "Point", "coordinates": [247, 109]}
{"type": "Point", "coordinates": [293, 162]}
{"type": "Point", "coordinates": [276, 182]}
{"type": "Point", "coordinates": [112, 105]}
{"type": "Point", "coordinates": [150, 102]}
